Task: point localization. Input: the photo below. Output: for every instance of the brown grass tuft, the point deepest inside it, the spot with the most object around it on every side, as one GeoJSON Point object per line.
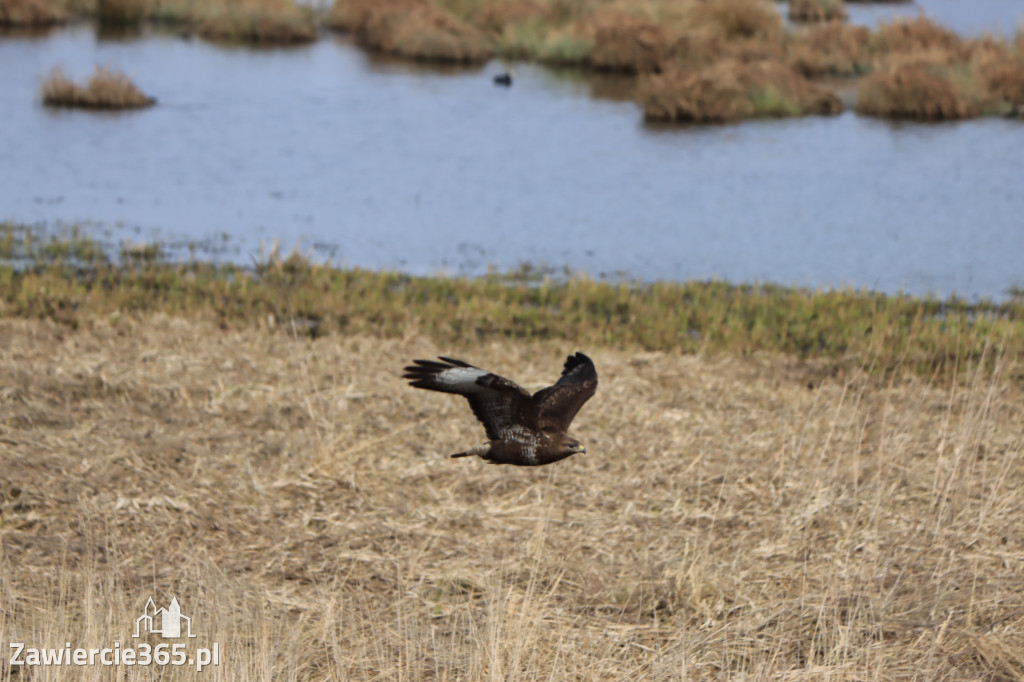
{"type": "Point", "coordinates": [1005, 82]}
{"type": "Point", "coordinates": [732, 90]}
{"type": "Point", "coordinates": [27, 13]}
{"type": "Point", "coordinates": [278, 22]}
{"type": "Point", "coordinates": [733, 518]}
{"type": "Point", "coordinates": [925, 72]}
{"type": "Point", "coordinates": [999, 68]}
{"type": "Point", "coordinates": [914, 36]}
{"type": "Point", "coordinates": [631, 44]}
{"type": "Point", "coordinates": [352, 15]}
{"type": "Point", "coordinates": [495, 17]}
{"type": "Point", "coordinates": [107, 89]}
{"type": "Point", "coordinates": [734, 30]}
{"type": "Point", "coordinates": [831, 49]}
{"type": "Point", "coordinates": [733, 19]}
{"type": "Point", "coordinates": [817, 10]}
{"type": "Point", "coordinates": [414, 29]}
{"type": "Point", "coordinates": [913, 91]}
{"type": "Point", "coordinates": [945, 80]}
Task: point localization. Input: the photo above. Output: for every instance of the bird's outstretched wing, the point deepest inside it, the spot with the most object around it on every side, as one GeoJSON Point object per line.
{"type": "Point", "coordinates": [557, 405]}
{"type": "Point", "coordinates": [497, 402]}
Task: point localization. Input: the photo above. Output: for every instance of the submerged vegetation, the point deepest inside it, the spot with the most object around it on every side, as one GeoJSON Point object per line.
{"type": "Point", "coordinates": [70, 279]}
{"type": "Point", "coordinates": [106, 89]}
{"type": "Point", "coordinates": [695, 60]}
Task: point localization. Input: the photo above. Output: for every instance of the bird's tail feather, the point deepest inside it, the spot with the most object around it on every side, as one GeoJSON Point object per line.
{"type": "Point", "coordinates": [477, 450]}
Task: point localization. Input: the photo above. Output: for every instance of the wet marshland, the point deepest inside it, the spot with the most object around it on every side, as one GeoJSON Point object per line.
{"type": "Point", "coordinates": [381, 163]}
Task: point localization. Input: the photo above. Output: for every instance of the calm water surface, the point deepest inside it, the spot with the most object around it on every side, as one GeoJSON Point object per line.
{"type": "Point", "coordinates": [387, 165]}
{"type": "Point", "coordinates": [999, 17]}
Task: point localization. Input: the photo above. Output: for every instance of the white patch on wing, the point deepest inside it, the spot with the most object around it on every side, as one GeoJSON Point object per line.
{"type": "Point", "coordinates": [462, 378]}
{"type": "Point", "coordinates": [520, 434]}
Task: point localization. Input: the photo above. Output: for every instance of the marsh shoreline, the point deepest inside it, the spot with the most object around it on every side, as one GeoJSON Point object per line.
{"type": "Point", "coordinates": [74, 280]}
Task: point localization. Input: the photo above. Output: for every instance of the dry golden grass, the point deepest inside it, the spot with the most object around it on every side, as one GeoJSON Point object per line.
{"type": "Point", "coordinates": [106, 89]}
{"type": "Point", "coordinates": [272, 22]}
{"type": "Point", "coordinates": [923, 71]}
{"type": "Point", "coordinates": [909, 36]}
{"type": "Point", "coordinates": [732, 519]}
{"type": "Point", "coordinates": [415, 29]}
{"type": "Point", "coordinates": [705, 33]}
{"type": "Point", "coordinates": [1000, 69]}
{"type": "Point", "coordinates": [751, 19]}
{"type": "Point", "coordinates": [830, 49]}
{"type": "Point", "coordinates": [24, 13]}
{"type": "Point", "coordinates": [630, 44]}
{"type": "Point", "coordinates": [914, 91]}
{"type": "Point", "coordinates": [496, 16]}
{"type": "Point", "coordinates": [733, 90]}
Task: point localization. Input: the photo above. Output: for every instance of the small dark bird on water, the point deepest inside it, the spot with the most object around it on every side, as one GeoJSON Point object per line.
{"type": "Point", "coordinates": [504, 79]}
{"type": "Point", "coordinates": [522, 429]}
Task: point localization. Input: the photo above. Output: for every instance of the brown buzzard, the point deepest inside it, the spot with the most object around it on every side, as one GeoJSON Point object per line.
{"type": "Point", "coordinates": [523, 429]}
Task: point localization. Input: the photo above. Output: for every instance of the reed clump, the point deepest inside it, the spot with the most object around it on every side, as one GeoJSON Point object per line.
{"type": "Point", "coordinates": [739, 19]}
{"type": "Point", "coordinates": [709, 61]}
{"type": "Point", "coordinates": [106, 89]}
{"type": "Point", "coordinates": [415, 29]}
{"type": "Point", "coordinates": [936, 92]}
{"type": "Point", "coordinates": [738, 30]}
{"type": "Point", "coordinates": [271, 22]}
{"type": "Point", "coordinates": [925, 72]}
{"type": "Point", "coordinates": [915, 36]}
{"type": "Point", "coordinates": [831, 49]}
{"type": "Point", "coordinates": [732, 90]}
{"type": "Point", "coordinates": [915, 91]}
{"type": "Point", "coordinates": [516, 28]}
{"type": "Point", "coordinates": [631, 44]}
{"type": "Point", "coordinates": [1000, 69]}
{"type": "Point", "coordinates": [32, 13]}
{"type": "Point", "coordinates": [817, 10]}
{"type": "Point", "coordinates": [496, 17]}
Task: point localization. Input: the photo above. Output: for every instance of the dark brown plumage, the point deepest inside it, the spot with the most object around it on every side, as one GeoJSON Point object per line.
{"type": "Point", "coordinates": [523, 429]}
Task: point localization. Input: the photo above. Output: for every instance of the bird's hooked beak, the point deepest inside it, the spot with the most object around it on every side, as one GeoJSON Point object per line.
{"type": "Point", "coordinates": [579, 448]}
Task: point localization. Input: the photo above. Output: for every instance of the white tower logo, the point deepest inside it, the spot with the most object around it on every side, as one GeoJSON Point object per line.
{"type": "Point", "coordinates": [163, 622]}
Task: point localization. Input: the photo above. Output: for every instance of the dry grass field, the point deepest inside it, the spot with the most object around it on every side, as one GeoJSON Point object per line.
{"type": "Point", "coordinates": [736, 519]}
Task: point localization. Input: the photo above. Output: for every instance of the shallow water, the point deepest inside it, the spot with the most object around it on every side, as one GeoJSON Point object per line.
{"type": "Point", "coordinates": [999, 17]}
{"type": "Point", "coordinates": [383, 164]}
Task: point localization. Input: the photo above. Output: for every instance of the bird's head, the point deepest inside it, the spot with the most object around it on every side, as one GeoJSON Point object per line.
{"type": "Point", "coordinates": [573, 446]}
